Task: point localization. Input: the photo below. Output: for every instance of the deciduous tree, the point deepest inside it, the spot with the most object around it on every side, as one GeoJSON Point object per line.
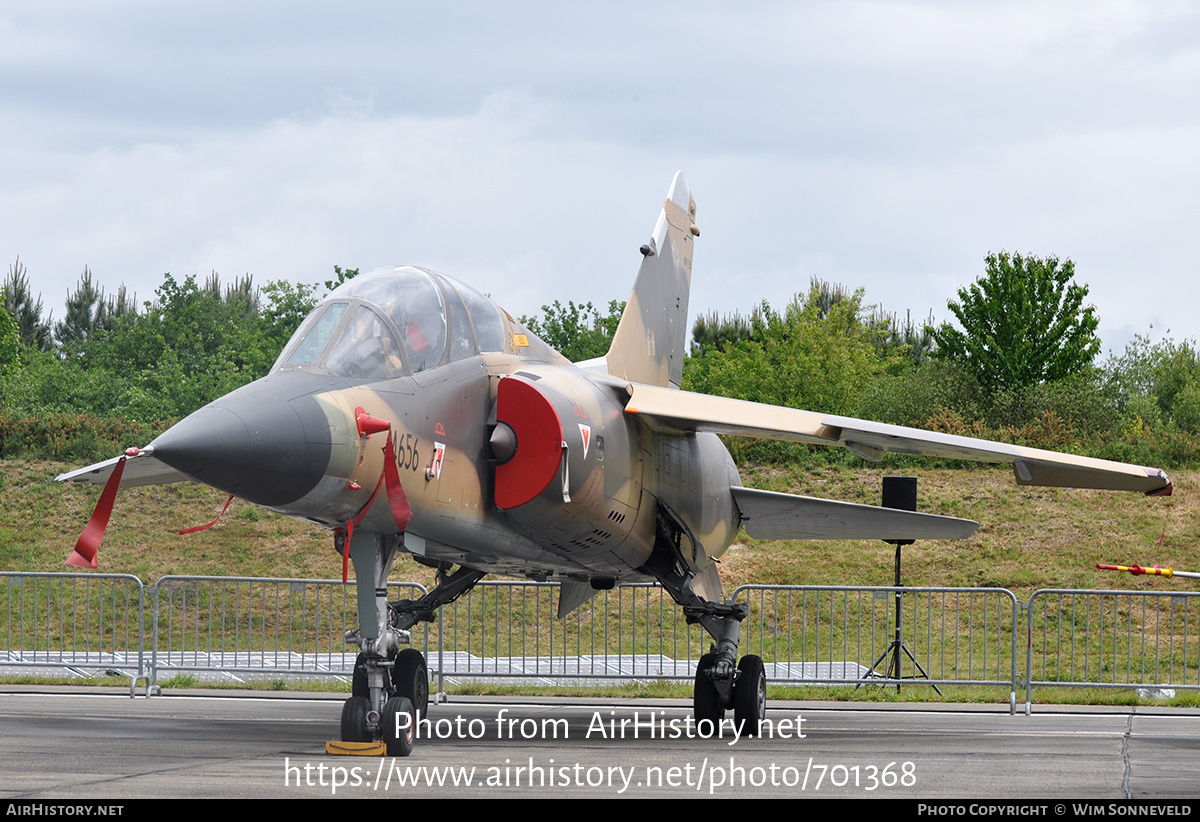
{"type": "Point", "coordinates": [1022, 323]}
{"type": "Point", "coordinates": [578, 332]}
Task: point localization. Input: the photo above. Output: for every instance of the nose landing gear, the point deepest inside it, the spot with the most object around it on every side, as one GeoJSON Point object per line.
{"type": "Point", "coordinates": [390, 686]}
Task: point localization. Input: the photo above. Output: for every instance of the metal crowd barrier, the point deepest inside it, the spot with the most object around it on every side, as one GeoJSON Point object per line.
{"type": "Point", "coordinates": [249, 628]}
{"type": "Point", "coordinates": [1113, 639]}
{"type": "Point", "coordinates": [508, 631]}
{"type": "Point", "coordinates": [847, 635]}
{"type": "Point", "coordinates": [257, 627]}
{"type": "Point", "coordinates": [79, 622]}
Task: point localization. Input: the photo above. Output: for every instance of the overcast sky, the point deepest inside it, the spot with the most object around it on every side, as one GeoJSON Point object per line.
{"type": "Point", "coordinates": [526, 147]}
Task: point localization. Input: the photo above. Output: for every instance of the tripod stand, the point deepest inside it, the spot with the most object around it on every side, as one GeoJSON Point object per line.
{"type": "Point", "coordinates": [898, 492]}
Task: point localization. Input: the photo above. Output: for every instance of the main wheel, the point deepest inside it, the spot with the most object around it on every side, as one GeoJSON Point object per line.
{"type": "Point", "coordinates": [399, 740]}
{"type": "Point", "coordinates": [358, 680]}
{"type": "Point", "coordinates": [750, 695]}
{"type": "Point", "coordinates": [354, 719]}
{"type": "Point", "coordinates": [706, 702]}
{"type": "Point", "coordinates": [410, 678]}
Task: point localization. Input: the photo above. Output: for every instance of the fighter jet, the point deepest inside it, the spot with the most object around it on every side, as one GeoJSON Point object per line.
{"type": "Point", "coordinates": [411, 413]}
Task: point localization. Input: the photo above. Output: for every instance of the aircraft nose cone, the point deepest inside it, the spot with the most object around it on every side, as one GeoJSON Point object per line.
{"type": "Point", "coordinates": [253, 444]}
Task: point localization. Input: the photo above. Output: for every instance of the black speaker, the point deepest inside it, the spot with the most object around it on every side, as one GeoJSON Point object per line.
{"type": "Point", "coordinates": [900, 492]}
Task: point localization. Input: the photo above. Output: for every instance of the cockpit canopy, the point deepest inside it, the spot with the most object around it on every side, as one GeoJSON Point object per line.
{"type": "Point", "coordinates": [394, 321]}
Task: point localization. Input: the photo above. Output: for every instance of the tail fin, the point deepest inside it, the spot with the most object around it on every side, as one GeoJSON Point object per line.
{"type": "Point", "coordinates": [649, 344]}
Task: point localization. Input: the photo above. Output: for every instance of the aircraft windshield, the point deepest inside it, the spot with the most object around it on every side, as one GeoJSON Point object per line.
{"type": "Point", "coordinates": [377, 324]}
{"type": "Point", "coordinates": [366, 349]}
{"type": "Point", "coordinates": [413, 302]}
{"type": "Point", "coordinates": [316, 333]}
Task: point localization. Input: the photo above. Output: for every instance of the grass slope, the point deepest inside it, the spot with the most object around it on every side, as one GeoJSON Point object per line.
{"type": "Point", "coordinates": [1029, 539]}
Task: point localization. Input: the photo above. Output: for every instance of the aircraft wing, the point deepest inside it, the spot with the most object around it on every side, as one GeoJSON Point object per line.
{"type": "Point", "coordinates": [142, 469]}
{"type": "Point", "coordinates": [770, 515]}
{"type": "Point", "coordinates": [684, 411]}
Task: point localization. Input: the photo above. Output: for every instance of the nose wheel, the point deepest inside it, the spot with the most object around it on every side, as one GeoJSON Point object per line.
{"type": "Point", "coordinates": [354, 719]}
{"type": "Point", "coordinates": [403, 696]}
{"type": "Point", "coordinates": [410, 679]}
{"type": "Point", "coordinates": [398, 725]}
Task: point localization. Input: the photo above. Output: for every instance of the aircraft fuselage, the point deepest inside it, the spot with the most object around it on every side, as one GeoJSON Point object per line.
{"type": "Point", "coordinates": [593, 520]}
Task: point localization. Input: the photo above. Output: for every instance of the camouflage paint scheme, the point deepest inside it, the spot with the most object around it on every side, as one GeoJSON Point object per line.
{"type": "Point", "coordinates": [515, 461]}
{"type": "Point", "coordinates": [607, 530]}
{"type": "Point", "coordinates": [297, 449]}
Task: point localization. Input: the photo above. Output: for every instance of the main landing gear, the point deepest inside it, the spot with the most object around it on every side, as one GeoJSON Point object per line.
{"type": "Point", "coordinates": [389, 690]}
{"type": "Point", "coordinates": [722, 683]}
{"type": "Point", "coordinates": [719, 686]}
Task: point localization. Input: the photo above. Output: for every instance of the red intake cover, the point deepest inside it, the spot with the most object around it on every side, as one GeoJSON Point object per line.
{"type": "Point", "coordinates": [539, 432]}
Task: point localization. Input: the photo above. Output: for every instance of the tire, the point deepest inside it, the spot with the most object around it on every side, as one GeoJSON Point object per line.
{"type": "Point", "coordinates": [354, 719]}
{"type": "Point", "coordinates": [410, 678]}
{"type": "Point", "coordinates": [398, 744]}
{"type": "Point", "coordinates": [706, 702]}
{"type": "Point", "coordinates": [750, 695]}
{"type": "Point", "coordinates": [358, 680]}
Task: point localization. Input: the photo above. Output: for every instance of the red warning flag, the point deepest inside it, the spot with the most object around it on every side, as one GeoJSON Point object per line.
{"type": "Point", "coordinates": [401, 510]}
{"type": "Point", "coordinates": [208, 525]}
{"type": "Point", "coordinates": [84, 555]}
{"type": "Point", "coordinates": [397, 499]}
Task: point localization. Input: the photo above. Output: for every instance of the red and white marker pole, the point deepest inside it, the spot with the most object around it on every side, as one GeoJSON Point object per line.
{"type": "Point", "coordinates": [1162, 572]}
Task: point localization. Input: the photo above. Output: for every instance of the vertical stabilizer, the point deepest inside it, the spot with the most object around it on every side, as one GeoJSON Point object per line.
{"type": "Point", "coordinates": [649, 344]}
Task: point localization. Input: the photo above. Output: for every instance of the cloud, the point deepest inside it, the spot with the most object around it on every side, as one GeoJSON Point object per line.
{"type": "Point", "coordinates": [527, 148]}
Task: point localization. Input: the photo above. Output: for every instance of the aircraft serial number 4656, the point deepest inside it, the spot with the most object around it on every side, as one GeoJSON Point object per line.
{"type": "Point", "coordinates": [409, 412]}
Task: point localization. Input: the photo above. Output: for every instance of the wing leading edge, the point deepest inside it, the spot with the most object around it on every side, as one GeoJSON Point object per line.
{"type": "Point", "coordinates": [140, 469]}
{"type": "Point", "coordinates": [684, 412]}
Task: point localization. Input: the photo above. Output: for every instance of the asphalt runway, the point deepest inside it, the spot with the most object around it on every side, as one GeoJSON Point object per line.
{"type": "Point", "coordinates": [72, 743]}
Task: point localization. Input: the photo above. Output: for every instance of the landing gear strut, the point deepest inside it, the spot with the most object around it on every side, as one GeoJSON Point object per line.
{"type": "Point", "coordinates": [719, 686]}
{"type": "Point", "coordinates": [722, 683]}
{"type": "Point", "coordinates": [390, 687]}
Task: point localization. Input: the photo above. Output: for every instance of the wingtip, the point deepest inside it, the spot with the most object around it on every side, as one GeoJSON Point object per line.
{"type": "Point", "coordinates": [1166, 490]}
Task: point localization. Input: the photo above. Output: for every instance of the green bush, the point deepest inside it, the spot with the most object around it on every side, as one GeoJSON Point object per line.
{"type": "Point", "coordinates": [71, 436]}
{"type": "Point", "coordinates": [914, 395]}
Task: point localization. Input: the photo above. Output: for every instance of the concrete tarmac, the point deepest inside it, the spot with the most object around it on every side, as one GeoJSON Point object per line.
{"type": "Point", "coordinates": [74, 743]}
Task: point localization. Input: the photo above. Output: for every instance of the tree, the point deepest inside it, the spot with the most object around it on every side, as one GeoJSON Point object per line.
{"type": "Point", "coordinates": [817, 354]}
{"type": "Point", "coordinates": [913, 339]}
{"type": "Point", "coordinates": [10, 341]}
{"type": "Point", "coordinates": [25, 311]}
{"type": "Point", "coordinates": [113, 308]}
{"type": "Point", "coordinates": [714, 333]}
{"type": "Point", "coordinates": [1023, 323]}
{"type": "Point", "coordinates": [287, 305]}
{"type": "Point", "coordinates": [578, 332]}
{"type": "Point", "coordinates": [84, 307]}
{"type": "Point", "coordinates": [340, 276]}
{"type": "Point", "coordinates": [191, 345]}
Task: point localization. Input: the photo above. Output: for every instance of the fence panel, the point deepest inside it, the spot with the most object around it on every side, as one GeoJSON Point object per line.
{"type": "Point", "coordinates": [248, 627]}
{"type": "Point", "coordinates": [256, 626]}
{"type": "Point", "coordinates": [509, 631]}
{"type": "Point", "coordinates": [86, 623]}
{"type": "Point", "coordinates": [1113, 639]}
{"type": "Point", "coordinates": [847, 634]}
